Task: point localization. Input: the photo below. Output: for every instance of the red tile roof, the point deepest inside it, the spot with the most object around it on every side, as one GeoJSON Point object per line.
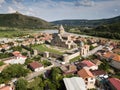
{"type": "Point", "coordinates": [98, 72]}
{"type": "Point", "coordinates": [115, 82]}
{"type": "Point", "coordinates": [16, 53]}
{"type": "Point", "coordinates": [113, 56]}
{"type": "Point", "coordinates": [6, 88]}
{"type": "Point", "coordinates": [35, 65]}
{"type": "Point", "coordinates": [85, 73]}
{"type": "Point", "coordinates": [88, 63]}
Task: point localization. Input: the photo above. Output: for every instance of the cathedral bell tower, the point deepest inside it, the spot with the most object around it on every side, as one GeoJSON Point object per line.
{"type": "Point", "coordinates": [61, 29]}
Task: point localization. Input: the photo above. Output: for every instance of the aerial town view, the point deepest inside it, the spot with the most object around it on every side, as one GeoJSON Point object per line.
{"type": "Point", "coordinates": [59, 44]}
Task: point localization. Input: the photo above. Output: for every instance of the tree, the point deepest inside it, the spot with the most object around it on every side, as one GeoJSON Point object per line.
{"type": "Point", "coordinates": [1, 63]}
{"type": "Point", "coordinates": [56, 76]}
{"type": "Point", "coordinates": [104, 66]}
{"type": "Point", "coordinates": [12, 71]}
{"type": "Point", "coordinates": [50, 85]}
{"type": "Point", "coordinates": [21, 84]}
{"type": "Point", "coordinates": [17, 48]}
{"type": "Point", "coordinates": [46, 63]}
{"type": "Point", "coordinates": [36, 84]}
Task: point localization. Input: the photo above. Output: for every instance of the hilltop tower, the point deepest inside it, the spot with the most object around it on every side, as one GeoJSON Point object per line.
{"type": "Point", "coordinates": [61, 29]}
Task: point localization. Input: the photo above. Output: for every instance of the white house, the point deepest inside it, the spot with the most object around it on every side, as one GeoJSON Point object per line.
{"type": "Point", "coordinates": [18, 58]}
{"type": "Point", "coordinates": [88, 77]}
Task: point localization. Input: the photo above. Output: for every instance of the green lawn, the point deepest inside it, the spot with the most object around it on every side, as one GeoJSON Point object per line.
{"type": "Point", "coordinates": [75, 59]}
{"type": "Point", "coordinates": [43, 48]}
{"type": "Point", "coordinates": [10, 34]}
{"type": "Point", "coordinates": [14, 32]}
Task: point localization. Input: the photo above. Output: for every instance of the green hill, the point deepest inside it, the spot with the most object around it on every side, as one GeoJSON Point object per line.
{"type": "Point", "coordinates": [18, 20]}
{"type": "Point", "coordinates": [87, 23]}
{"type": "Point", "coordinates": [108, 28]}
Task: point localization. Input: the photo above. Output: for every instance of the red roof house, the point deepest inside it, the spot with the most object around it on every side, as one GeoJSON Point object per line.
{"type": "Point", "coordinates": [6, 88]}
{"type": "Point", "coordinates": [115, 83]}
{"type": "Point", "coordinates": [89, 65]}
{"type": "Point", "coordinates": [35, 66]}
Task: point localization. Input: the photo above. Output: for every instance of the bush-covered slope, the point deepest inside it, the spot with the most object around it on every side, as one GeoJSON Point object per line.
{"type": "Point", "coordinates": [22, 21]}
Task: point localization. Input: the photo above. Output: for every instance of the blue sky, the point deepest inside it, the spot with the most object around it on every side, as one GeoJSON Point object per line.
{"type": "Point", "coordinates": [51, 10]}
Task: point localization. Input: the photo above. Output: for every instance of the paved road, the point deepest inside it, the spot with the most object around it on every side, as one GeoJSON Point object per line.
{"type": "Point", "coordinates": [35, 74]}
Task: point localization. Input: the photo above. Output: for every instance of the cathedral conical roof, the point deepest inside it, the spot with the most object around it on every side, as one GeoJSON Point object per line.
{"type": "Point", "coordinates": [61, 29]}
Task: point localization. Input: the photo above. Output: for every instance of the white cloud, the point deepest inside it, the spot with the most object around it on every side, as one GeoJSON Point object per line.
{"type": "Point", "coordinates": [11, 10]}
{"type": "Point", "coordinates": [85, 3]}
{"type": "Point", "coordinates": [1, 2]}
{"type": "Point", "coordinates": [53, 10]}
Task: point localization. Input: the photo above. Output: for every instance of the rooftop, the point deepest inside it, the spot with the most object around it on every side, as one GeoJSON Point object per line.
{"type": "Point", "coordinates": [74, 83]}
{"type": "Point", "coordinates": [98, 72]}
{"type": "Point", "coordinates": [85, 73]}
{"type": "Point", "coordinates": [96, 62]}
{"type": "Point", "coordinates": [35, 65]}
{"type": "Point", "coordinates": [6, 88]}
{"type": "Point", "coordinates": [115, 82]}
{"type": "Point", "coordinates": [88, 63]}
{"type": "Point", "coordinates": [113, 56]}
{"type": "Point", "coordinates": [16, 53]}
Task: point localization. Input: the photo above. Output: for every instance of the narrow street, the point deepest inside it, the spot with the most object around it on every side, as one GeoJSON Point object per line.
{"type": "Point", "coordinates": [35, 74]}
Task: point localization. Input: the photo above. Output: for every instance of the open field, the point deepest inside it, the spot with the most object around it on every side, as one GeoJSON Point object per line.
{"type": "Point", "coordinates": [43, 48]}
{"type": "Point", "coordinates": [16, 32]}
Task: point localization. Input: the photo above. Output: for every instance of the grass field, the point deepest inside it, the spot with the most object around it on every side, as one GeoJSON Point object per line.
{"type": "Point", "coordinates": [75, 59]}
{"type": "Point", "coordinates": [43, 48]}
{"type": "Point", "coordinates": [14, 32]}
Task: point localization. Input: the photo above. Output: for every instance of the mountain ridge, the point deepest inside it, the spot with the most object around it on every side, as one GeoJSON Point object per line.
{"type": "Point", "coordinates": [19, 20]}
{"type": "Point", "coordinates": [86, 22]}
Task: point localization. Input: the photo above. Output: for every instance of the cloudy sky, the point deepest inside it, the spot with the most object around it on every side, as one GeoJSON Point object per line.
{"type": "Point", "coordinates": [51, 10]}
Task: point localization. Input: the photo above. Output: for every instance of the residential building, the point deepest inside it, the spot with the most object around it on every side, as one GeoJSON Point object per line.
{"type": "Point", "coordinates": [114, 83]}
{"type": "Point", "coordinates": [89, 65]}
{"type": "Point", "coordinates": [6, 88]}
{"type": "Point", "coordinates": [96, 62]}
{"type": "Point", "coordinates": [69, 69]}
{"type": "Point", "coordinates": [18, 58]}
{"type": "Point", "coordinates": [88, 77]}
{"type": "Point", "coordinates": [35, 66]}
{"type": "Point", "coordinates": [99, 73]}
{"type": "Point", "coordinates": [74, 83]}
{"type": "Point", "coordinates": [113, 59]}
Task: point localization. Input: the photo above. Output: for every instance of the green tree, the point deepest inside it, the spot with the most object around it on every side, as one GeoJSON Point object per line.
{"type": "Point", "coordinates": [46, 63]}
{"type": "Point", "coordinates": [104, 66]}
{"type": "Point", "coordinates": [1, 63]}
{"type": "Point", "coordinates": [12, 71]}
{"type": "Point", "coordinates": [17, 48]}
{"type": "Point", "coordinates": [21, 84]}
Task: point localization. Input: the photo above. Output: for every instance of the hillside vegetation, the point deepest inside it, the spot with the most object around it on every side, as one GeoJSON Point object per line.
{"type": "Point", "coordinates": [17, 20]}
{"type": "Point", "coordinates": [107, 28]}
{"type": "Point", "coordinates": [87, 23]}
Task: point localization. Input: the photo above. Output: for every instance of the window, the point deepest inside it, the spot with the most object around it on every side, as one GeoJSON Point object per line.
{"type": "Point", "coordinates": [91, 82]}
{"type": "Point", "coordinates": [86, 83]}
{"type": "Point", "coordinates": [86, 79]}
{"type": "Point", "coordinates": [91, 78]}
